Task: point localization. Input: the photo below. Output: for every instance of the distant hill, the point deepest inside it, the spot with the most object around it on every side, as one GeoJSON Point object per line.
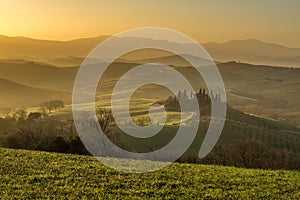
{"type": "Point", "coordinates": [254, 51]}
{"type": "Point", "coordinates": [15, 94]}
{"type": "Point", "coordinates": [41, 50]}
{"type": "Point", "coordinates": [70, 53]}
{"type": "Point", "coordinates": [175, 60]}
{"type": "Point", "coordinates": [263, 90]}
{"type": "Point", "coordinates": [38, 75]}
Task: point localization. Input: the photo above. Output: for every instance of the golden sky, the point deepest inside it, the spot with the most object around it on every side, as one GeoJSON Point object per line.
{"type": "Point", "coordinates": [276, 21]}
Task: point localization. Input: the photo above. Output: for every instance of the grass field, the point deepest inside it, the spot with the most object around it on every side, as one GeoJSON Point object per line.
{"type": "Point", "coordinates": [32, 174]}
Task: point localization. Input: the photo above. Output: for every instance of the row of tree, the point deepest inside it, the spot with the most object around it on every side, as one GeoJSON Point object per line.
{"type": "Point", "coordinates": [250, 154]}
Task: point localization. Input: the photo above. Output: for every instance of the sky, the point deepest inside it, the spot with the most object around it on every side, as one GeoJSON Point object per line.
{"type": "Point", "coordinates": [276, 21]}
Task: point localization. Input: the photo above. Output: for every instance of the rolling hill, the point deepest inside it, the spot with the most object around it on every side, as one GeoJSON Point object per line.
{"type": "Point", "coordinates": [41, 50]}
{"type": "Point", "coordinates": [263, 90]}
{"type": "Point", "coordinates": [255, 52]}
{"type": "Point", "coordinates": [37, 74]}
{"type": "Point", "coordinates": [14, 94]}
{"type": "Point", "coordinates": [70, 53]}
{"type": "Point", "coordinates": [238, 127]}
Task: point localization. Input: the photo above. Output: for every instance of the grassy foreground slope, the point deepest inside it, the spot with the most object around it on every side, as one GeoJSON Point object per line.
{"type": "Point", "coordinates": [31, 174]}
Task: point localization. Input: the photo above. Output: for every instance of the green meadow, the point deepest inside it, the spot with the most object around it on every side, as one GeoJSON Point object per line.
{"type": "Point", "coordinates": [40, 175]}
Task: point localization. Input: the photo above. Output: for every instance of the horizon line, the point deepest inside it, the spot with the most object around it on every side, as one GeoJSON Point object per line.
{"type": "Point", "coordinates": [107, 35]}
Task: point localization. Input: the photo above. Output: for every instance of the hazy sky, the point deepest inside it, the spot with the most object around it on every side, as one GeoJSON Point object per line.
{"type": "Point", "coordinates": [275, 21]}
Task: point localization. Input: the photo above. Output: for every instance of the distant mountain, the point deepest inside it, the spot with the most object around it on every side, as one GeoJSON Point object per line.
{"type": "Point", "coordinates": [42, 50]}
{"type": "Point", "coordinates": [254, 51]}
{"type": "Point", "coordinates": [70, 53]}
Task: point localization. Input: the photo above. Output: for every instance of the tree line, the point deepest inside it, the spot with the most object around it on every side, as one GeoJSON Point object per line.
{"type": "Point", "coordinates": [37, 131]}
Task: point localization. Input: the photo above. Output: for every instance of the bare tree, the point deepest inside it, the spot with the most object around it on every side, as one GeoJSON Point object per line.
{"type": "Point", "coordinates": [252, 153]}
{"type": "Point", "coordinates": [52, 105]}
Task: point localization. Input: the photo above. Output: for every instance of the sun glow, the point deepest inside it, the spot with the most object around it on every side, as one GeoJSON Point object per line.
{"type": "Point", "coordinates": [203, 20]}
